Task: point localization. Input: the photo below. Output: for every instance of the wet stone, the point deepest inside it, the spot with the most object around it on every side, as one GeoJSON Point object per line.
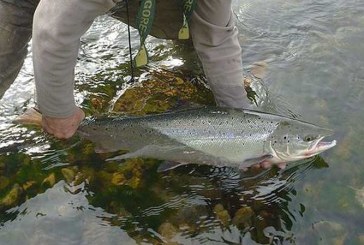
{"type": "Point", "coordinates": [29, 184]}
{"type": "Point", "coordinates": [361, 238]}
{"type": "Point", "coordinates": [4, 182]}
{"type": "Point", "coordinates": [330, 231]}
{"type": "Point", "coordinates": [222, 214]}
{"type": "Point", "coordinates": [13, 197]}
{"type": "Point", "coordinates": [167, 231]}
{"type": "Point", "coordinates": [161, 91]}
{"type": "Point", "coordinates": [243, 217]}
{"type": "Point", "coordinates": [118, 179]}
{"type": "Point", "coordinates": [69, 174]}
{"type": "Point", "coordinates": [359, 194]}
{"type": "Point", "coordinates": [50, 180]}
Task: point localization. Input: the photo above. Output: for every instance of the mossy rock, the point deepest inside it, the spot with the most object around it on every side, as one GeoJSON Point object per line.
{"type": "Point", "coordinates": [162, 91]}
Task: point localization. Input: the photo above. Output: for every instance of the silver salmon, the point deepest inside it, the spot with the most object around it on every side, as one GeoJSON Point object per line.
{"type": "Point", "coordinates": [214, 136]}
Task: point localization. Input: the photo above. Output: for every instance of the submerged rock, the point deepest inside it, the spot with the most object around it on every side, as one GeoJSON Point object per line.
{"type": "Point", "coordinates": [222, 214]}
{"type": "Point", "coordinates": [50, 180]}
{"type": "Point", "coordinates": [13, 197]}
{"type": "Point", "coordinates": [161, 91]}
{"type": "Point", "coordinates": [167, 231]}
{"type": "Point", "coordinates": [359, 194]}
{"type": "Point", "coordinates": [69, 174]}
{"type": "Point", "coordinates": [4, 182]}
{"type": "Point", "coordinates": [29, 184]}
{"type": "Point", "coordinates": [243, 217]}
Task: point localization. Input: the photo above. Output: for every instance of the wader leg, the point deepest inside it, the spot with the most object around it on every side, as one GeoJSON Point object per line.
{"type": "Point", "coordinates": [215, 39]}
{"type": "Point", "coordinates": [15, 31]}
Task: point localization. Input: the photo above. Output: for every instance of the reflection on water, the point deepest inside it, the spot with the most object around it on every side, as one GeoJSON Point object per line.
{"type": "Point", "coordinates": [61, 192]}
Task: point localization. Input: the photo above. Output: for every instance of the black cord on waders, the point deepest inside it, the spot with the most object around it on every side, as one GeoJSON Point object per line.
{"type": "Point", "coordinates": [129, 40]}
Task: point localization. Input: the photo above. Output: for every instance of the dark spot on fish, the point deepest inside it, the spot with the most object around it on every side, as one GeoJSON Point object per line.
{"type": "Point", "coordinates": [285, 137]}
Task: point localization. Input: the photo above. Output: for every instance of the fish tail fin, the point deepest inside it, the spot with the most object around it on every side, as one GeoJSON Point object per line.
{"type": "Point", "coordinates": [30, 116]}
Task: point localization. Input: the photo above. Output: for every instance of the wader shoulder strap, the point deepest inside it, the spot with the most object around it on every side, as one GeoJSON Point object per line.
{"type": "Point", "coordinates": [145, 18]}
{"type": "Point", "coordinates": [188, 7]}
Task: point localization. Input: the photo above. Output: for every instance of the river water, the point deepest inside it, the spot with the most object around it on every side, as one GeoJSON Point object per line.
{"type": "Point", "coordinates": [61, 192]}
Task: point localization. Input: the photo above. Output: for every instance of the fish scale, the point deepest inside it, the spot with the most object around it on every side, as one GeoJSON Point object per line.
{"type": "Point", "coordinates": [220, 133]}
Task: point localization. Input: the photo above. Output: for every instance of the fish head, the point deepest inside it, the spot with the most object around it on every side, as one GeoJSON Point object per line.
{"type": "Point", "coordinates": [294, 140]}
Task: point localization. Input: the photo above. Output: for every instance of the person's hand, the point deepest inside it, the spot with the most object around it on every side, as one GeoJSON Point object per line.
{"type": "Point", "coordinates": [63, 128]}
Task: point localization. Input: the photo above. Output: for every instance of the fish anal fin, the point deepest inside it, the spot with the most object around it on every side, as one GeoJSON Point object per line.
{"type": "Point", "coordinates": [256, 160]}
{"type": "Point", "coordinates": [169, 165]}
{"type": "Point", "coordinates": [100, 149]}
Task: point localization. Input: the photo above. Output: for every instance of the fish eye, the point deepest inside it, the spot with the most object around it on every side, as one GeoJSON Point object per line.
{"type": "Point", "coordinates": [309, 138]}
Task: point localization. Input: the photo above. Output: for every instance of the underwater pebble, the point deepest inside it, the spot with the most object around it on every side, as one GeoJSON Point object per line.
{"type": "Point", "coordinates": [50, 180]}
{"type": "Point", "coordinates": [330, 231]}
{"type": "Point", "coordinates": [361, 238]}
{"type": "Point", "coordinates": [68, 174]}
{"type": "Point", "coordinates": [118, 179]}
{"type": "Point", "coordinates": [168, 231]}
{"type": "Point", "coordinates": [359, 194]}
{"type": "Point", "coordinates": [4, 182]}
{"type": "Point", "coordinates": [12, 197]}
{"type": "Point", "coordinates": [243, 216]}
{"type": "Point", "coordinates": [222, 214]}
{"type": "Point", "coordinates": [28, 184]}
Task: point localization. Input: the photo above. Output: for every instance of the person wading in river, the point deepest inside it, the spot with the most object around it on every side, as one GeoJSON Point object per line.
{"type": "Point", "coordinates": [57, 25]}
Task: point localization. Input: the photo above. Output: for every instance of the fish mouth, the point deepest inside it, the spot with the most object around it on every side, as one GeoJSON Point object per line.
{"type": "Point", "coordinates": [320, 146]}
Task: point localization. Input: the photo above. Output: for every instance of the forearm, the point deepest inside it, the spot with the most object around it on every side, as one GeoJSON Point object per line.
{"type": "Point", "coordinates": [215, 39]}
{"type": "Point", "coordinates": [57, 28]}
{"type": "Point", "coordinates": [15, 30]}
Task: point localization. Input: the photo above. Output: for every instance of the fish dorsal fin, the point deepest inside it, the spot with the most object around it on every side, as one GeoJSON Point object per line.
{"type": "Point", "coordinates": [169, 165]}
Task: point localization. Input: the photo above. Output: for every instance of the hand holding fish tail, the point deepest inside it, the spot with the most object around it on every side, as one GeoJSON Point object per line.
{"type": "Point", "coordinates": [63, 128]}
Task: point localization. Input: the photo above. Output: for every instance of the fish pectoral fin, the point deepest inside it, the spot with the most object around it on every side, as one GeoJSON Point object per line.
{"type": "Point", "coordinates": [146, 151]}
{"type": "Point", "coordinates": [169, 165]}
{"type": "Point", "coordinates": [100, 149]}
{"type": "Point", "coordinates": [256, 160]}
{"type": "Point", "coordinates": [133, 154]}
